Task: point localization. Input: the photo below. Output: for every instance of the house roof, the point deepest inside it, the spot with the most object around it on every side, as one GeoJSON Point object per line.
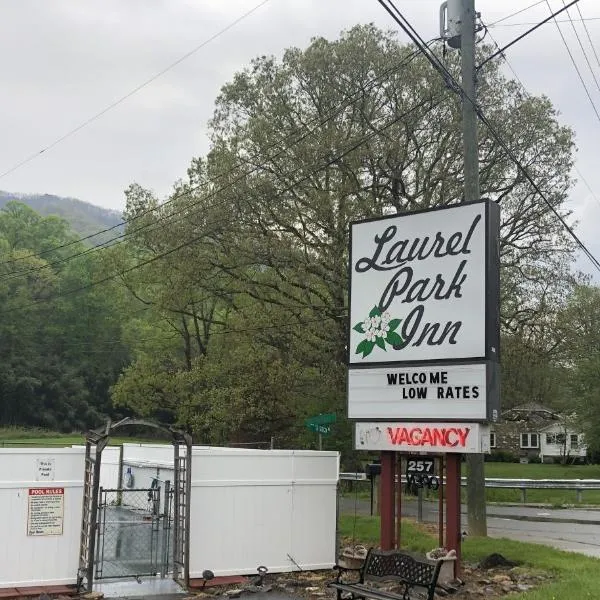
{"type": "Point", "coordinates": [530, 410]}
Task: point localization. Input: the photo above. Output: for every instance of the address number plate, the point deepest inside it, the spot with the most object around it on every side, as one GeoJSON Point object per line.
{"type": "Point", "coordinates": [416, 464]}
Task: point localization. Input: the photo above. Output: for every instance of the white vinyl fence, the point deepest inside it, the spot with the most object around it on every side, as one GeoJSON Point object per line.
{"type": "Point", "coordinates": [262, 507]}
{"type": "Point", "coordinates": [275, 508]}
{"type": "Point", "coordinates": [41, 493]}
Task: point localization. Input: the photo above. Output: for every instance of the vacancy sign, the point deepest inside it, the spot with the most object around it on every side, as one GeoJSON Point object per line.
{"type": "Point", "coordinates": [422, 286]}
{"type": "Point", "coordinates": [433, 437]}
{"type": "Point", "coordinates": [422, 393]}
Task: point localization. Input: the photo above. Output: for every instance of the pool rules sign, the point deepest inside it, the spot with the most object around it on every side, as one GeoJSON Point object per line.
{"type": "Point", "coordinates": [45, 511]}
{"type": "Point", "coordinates": [424, 316]}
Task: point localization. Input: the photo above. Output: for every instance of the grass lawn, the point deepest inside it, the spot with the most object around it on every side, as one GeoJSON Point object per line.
{"type": "Point", "coordinates": [532, 471]}
{"type": "Point", "coordinates": [13, 437]}
{"type": "Point", "coordinates": [535, 471]}
{"type": "Point", "coordinates": [577, 576]}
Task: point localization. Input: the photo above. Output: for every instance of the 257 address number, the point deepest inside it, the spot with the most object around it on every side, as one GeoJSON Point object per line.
{"type": "Point", "coordinates": [420, 465]}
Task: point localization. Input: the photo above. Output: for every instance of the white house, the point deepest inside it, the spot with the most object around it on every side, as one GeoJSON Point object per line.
{"type": "Point", "coordinates": [558, 441]}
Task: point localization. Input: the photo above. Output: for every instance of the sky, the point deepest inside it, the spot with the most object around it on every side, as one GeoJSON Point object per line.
{"type": "Point", "coordinates": [65, 61]}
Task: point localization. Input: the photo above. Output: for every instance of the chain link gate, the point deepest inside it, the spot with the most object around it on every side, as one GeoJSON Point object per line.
{"type": "Point", "coordinates": [134, 527]}
{"type": "Point", "coordinates": [122, 536]}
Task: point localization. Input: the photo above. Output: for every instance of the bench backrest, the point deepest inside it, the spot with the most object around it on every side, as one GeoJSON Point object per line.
{"type": "Point", "coordinates": [394, 565]}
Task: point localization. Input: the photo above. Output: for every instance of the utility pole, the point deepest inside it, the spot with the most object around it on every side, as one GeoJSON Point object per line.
{"type": "Point", "coordinates": [475, 464]}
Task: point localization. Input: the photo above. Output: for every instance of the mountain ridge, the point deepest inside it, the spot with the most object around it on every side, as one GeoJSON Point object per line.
{"type": "Point", "coordinates": [83, 217]}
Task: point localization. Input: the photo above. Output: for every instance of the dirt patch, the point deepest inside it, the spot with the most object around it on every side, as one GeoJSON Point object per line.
{"type": "Point", "coordinates": [476, 584]}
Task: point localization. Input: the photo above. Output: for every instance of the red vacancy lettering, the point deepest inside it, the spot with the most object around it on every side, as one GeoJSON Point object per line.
{"type": "Point", "coordinates": [429, 436]}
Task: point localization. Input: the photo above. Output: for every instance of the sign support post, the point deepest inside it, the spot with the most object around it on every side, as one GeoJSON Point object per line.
{"type": "Point", "coordinates": [453, 533]}
{"type": "Point", "coordinates": [387, 508]}
{"type": "Point", "coordinates": [441, 503]}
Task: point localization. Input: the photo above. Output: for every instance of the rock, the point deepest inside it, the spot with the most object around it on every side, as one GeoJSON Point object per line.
{"type": "Point", "coordinates": [501, 579]}
{"type": "Point", "coordinates": [496, 560]}
{"type": "Point", "coordinates": [523, 587]}
{"type": "Point", "coordinates": [311, 589]}
{"type": "Point", "coordinates": [92, 596]}
{"type": "Point", "coordinates": [254, 589]}
{"type": "Point", "coordinates": [236, 593]}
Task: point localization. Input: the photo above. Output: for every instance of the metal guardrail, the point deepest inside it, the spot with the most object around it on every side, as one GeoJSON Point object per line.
{"type": "Point", "coordinates": [577, 485]}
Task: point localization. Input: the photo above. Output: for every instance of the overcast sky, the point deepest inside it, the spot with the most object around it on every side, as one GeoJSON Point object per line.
{"type": "Point", "coordinates": [63, 61]}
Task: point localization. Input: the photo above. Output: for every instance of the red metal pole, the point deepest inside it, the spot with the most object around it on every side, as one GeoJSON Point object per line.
{"type": "Point", "coordinates": [441, 503]}
{"type": "Point", "coordinates": [387, 500]}
{"type": "Point", "coordinates": [398, 501]}
{"type": "Point", "coordinates": [453, 533]}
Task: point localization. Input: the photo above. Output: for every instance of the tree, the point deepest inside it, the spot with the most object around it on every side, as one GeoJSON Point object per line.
{"type": "Point", "coordinates": [582, 358]}
{"type": "Point", "coordinates": [343, 130]}
{"type": "Point", "coordinates": [59, 352]}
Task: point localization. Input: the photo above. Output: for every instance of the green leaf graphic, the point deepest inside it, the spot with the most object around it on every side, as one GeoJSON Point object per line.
{"type": "Point", "coordinates": [375, 312]}
{"type": "Point", "coordinates": [394, 323]}
{"type": "Point", "coordinates": [359, 328]}
{"type": "Point", "coordinates": [361, 347]}
{"type": "Point", "coordinates": [380, 342]}
{"type": "Point", "coordinates": [369, 349]}
{"type": "Point", "coordinates": [365, 347]}
{"type": "Point", "coordinates": [394, 339]}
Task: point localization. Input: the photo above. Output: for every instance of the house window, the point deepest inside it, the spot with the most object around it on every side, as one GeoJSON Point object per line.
{"type": "Point", "coordinates": [574, 440]}
{"type": "Point", "coordinates": [530, 440]}
{"type": "Point", "coordinates": [557, 439]}
{"type": "Point", "coordinates": [492, 439]}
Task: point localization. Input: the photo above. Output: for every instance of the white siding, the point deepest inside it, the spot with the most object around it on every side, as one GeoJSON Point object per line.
{"type": "Point", "coordinates": [557, 450]}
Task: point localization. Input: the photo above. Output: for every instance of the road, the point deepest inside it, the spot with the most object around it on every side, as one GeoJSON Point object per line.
{"type": "Point", "coordinates": [576, 530]}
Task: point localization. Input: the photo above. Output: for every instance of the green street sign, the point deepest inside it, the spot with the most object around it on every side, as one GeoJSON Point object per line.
{"type": "Point", "coordinates": [322, 419]}
{"type": "Point", "coordinates": [319, 428]}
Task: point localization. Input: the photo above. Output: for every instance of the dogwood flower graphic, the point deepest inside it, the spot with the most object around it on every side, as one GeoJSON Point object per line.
{"type": "Point", "coordinates": [379, 329]}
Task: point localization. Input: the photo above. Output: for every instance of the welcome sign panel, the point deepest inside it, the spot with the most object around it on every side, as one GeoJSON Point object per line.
{"type": "Point", "coordinates": [421, 393]}
{"type": "Point", "coordinates": [418, 285]}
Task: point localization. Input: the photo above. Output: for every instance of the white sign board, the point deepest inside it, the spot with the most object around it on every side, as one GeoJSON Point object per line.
{"type": "Point", "coordinates": [418, 393]}
{"type": "Point", "coordinates": [437, 437]}
{"type": "Point", "coordinates": [45, 511]}
{"type": "Point", "coordinates": [44, 469]}
{"type": "Point", "coordinates": [418, 286]}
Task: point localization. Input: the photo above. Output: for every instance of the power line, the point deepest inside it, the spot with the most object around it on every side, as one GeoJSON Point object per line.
{"type": "Point", "coordinates": [587, 31]}
{"type": "Point", "coordinates": [195, 239]}
{"type": "Point", "coordinates": [531, 30]}
{"type": "Point", "coordinates": [317, 121]}
{"type": "Point", "coordinates": [515, 13]}
{"type": "Point", "coordinates": [403, 22]}
{"type": "Point", "coordinates": [587, 60]}
{"type": "Point", "coordinates": [575, 66]}
{"type": "Point", "coordinates": [122, 99]}
{"type": "Point", "coordinates": [535, 23]}
{"type": "Point", "coordinates": [528, 95]}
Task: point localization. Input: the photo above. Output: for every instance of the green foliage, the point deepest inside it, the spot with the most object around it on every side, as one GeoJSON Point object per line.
{"type": "Point", "coordinates": [256, 304]}
{"type": "Point", "coordinates": [501, 456]}
{"type": "Point", "coordinates": [59, 356]}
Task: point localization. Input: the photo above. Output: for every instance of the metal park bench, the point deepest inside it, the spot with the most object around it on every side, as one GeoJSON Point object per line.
{"type": "Point", "coordinates": [389, 566]}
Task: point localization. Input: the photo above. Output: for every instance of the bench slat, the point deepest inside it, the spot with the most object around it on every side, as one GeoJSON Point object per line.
{"type": "Point", "coordinates": [364, 591]}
